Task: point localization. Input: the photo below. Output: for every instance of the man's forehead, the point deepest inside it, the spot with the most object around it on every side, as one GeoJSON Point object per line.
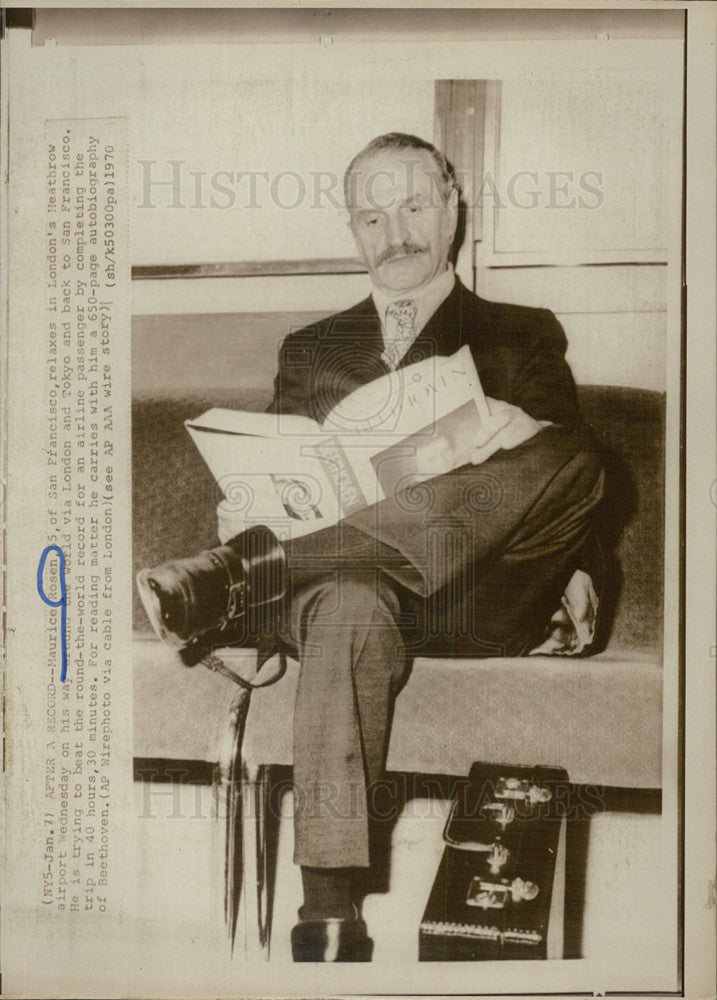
{"type": "Point", "coordinates": [404, 171]}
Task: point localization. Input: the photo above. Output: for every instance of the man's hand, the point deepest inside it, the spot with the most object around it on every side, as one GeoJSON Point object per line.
{"type": "Point", "coordinates": [507, 427]}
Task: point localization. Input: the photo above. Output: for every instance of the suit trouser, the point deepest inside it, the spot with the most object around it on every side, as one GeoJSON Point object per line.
{"type": "Point", "coordinates": [474, 561]}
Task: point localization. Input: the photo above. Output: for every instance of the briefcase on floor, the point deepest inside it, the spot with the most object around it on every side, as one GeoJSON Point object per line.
{"type": "Point", "coordinates": [492, 894]}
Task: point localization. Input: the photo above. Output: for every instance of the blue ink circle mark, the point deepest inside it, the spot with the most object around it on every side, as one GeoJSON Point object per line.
{"type": "Point", "coordinates": [61, 603]}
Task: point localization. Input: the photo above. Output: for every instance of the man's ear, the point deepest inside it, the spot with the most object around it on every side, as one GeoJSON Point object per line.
{"type": "Point", "coordinates": [453, 212]}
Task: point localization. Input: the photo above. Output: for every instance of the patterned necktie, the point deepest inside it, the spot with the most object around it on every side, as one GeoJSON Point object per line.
{"type": "Point", "coordinates": [400, 331]}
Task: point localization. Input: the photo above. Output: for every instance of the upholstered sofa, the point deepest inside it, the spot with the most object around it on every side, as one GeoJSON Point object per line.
{"type": "Point", "coordinates": [600, 717]}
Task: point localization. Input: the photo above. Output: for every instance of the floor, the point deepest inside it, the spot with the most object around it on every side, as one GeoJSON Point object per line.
{"type": "Point", "coordinates": [180, 881]}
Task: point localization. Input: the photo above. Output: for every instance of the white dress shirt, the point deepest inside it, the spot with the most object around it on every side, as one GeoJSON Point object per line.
{"type": "Point", "coordinates": [427, 300]}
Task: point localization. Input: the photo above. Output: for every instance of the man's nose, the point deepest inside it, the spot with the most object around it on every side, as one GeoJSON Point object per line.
{"type": "Point", "coordinates": [396, 231]}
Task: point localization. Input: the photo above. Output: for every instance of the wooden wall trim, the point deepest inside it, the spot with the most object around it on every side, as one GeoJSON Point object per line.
{"type": "Point", "coordinates": [248, 269]}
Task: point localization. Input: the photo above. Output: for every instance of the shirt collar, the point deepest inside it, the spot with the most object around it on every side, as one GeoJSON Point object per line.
{"type": "Point", "coordinates": [428, 299]}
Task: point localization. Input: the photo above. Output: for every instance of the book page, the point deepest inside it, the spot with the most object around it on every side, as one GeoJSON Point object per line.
{"type": "Point", "coordinates": [409, 398]}
{"type": "Point", "coordinates": [385, 437]}
{"type": "Point", "coordinates": [275, 481]}
{"type": "Point", "coordinates": [238, 422]}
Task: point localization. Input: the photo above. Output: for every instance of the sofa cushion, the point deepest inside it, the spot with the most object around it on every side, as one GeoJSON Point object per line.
{"type": "Point", "coordinates": [534, 710]}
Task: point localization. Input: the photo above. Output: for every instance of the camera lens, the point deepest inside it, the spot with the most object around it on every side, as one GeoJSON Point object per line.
{"type": "Point", "coordinates": [186, 598]}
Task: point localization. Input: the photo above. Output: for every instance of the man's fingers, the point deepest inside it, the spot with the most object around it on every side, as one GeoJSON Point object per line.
{"type": "Point", "coordinates": [491, 427]}
{"type": "Point", "coordinates": [496, 405]}
{"type": "Point", "coordinates": [494, 436]}
{"type": "Point", "coordinates": [504, 430]}
{"type": "Point", "coordinates": [483, 453]}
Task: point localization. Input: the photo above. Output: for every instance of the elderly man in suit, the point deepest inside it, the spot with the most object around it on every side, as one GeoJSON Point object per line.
{"type": "Point", "coordinates": [481, 563]}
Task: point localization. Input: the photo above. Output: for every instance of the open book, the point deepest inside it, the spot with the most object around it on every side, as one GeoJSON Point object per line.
{"type": "Point", "coordinates": [296, 476]}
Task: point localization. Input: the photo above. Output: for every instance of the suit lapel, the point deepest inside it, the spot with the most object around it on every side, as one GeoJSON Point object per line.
{"type": "Point", "coordinates": [347, 356]}
{"type": "Point", "coordinates": [359, 328]}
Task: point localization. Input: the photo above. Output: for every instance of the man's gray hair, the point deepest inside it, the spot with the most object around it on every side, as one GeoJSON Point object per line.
{"type": "Point", "coordinates": [403, 141]}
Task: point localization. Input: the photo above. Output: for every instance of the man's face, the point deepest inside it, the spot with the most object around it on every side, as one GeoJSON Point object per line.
{"type": "Point", "coordinates": [401, 223]}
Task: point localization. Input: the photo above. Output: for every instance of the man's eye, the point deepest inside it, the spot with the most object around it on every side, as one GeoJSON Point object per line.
{"type": "Point", "coordinates": [371, 220]}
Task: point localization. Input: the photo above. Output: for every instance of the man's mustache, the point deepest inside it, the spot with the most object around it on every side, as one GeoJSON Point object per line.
{"type": "Point", "coordinates": [404, 250]}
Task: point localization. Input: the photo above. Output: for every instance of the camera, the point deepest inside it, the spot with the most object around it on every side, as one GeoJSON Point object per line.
{"type": "Point", "coordinates": [187, 598]}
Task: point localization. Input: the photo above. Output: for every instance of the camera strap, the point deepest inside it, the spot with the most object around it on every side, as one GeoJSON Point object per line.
{"type": "Point", "coordinates": [217, 665]}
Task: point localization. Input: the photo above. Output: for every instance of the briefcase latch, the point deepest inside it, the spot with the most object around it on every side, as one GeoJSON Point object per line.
{"type": "Point", "coordinates": [521, 789]}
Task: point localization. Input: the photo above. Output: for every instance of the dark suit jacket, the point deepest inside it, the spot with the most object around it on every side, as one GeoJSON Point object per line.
{"type": "Point", "coordinates": [519, 353]}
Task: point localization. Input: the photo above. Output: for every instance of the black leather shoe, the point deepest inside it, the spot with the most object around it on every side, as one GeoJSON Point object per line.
{"type": "Point", "coordinates": [334, 939]}
{"type": "Point", "coordinates": [187, 598]}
